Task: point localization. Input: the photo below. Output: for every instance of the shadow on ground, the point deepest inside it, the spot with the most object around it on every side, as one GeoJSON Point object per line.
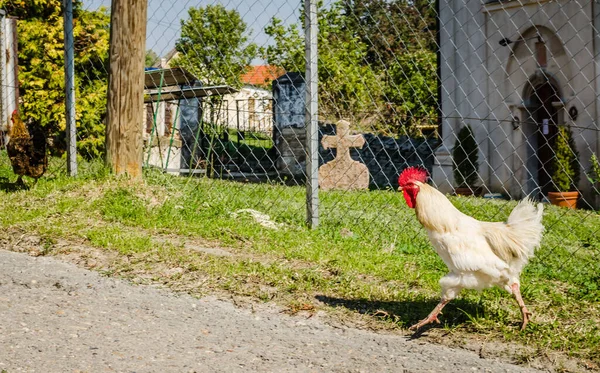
{"type": "Point", "coordinates": [7, 186]}
{"type": "Point", "coordinates": [407, 313]}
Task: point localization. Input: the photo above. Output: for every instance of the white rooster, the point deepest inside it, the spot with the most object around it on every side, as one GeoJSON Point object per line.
{"type": "Point", "coordinates": [478, 254]}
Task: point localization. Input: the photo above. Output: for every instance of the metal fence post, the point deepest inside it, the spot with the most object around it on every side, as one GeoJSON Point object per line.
{"type": "Point", "coordinates": [311, 114]}
{"type": "Point", "coordinates": [596, 15]}
{"type": "Point", "coordinates": [70, 88]}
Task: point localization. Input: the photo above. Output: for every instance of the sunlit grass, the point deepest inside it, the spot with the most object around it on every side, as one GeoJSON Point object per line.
{"type": "Point", "coordinates": [369, 254]}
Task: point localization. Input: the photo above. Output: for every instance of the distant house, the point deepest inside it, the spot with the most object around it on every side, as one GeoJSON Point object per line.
{"type": "Point", "coordinates": [262, 76]}
{"type": "Point", "coordinates": [251, 109]}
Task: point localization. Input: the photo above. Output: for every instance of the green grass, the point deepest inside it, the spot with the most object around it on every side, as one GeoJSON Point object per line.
{"type": "Point", "coordinates": [369, 256]}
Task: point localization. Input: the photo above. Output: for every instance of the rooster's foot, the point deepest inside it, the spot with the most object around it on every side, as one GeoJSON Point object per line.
{"type": "Point", "coordinates": [424, 322]}
{"type": "Point", "coordinates": [526, 317]}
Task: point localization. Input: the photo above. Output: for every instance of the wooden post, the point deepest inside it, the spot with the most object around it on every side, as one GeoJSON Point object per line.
{"type": "Point", "coordinates": [126, 87]}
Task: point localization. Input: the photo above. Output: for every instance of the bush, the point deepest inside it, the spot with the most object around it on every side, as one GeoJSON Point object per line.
{"type": "Point", "coordinates": [594, 174]}
{"type": "Point", "coordinates": [465, 158]}
{"type": "Point", "coordinates": [565, 164]}
{"type": "Point", "coordinates": [41, 70]}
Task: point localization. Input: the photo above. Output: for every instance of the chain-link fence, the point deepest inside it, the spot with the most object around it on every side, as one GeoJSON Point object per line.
{"type": "Point", "coordinates": [495, 98]}
{"type": "Point", "coordinates": [407, 75]}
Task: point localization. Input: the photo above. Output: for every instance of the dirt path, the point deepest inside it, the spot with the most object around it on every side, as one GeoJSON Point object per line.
{"type": "Point", "coordinates": [56, 317]}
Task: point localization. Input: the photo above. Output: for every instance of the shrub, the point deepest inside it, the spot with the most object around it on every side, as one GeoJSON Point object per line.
{"type": "Point", "coordinates": [594, 174]}
{"type": "Point", "coordinates": [565, 165]}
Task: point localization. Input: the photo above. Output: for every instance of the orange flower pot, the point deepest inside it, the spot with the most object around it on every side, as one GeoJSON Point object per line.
{"type": "Point", "coordinates": [564, 199]}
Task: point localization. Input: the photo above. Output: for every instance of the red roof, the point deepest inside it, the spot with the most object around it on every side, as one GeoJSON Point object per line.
{"type": "Point", "coordinates": [262, 75]}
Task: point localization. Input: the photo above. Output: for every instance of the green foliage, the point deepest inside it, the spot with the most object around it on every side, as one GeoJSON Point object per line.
{"type": "Point", "coordinates": [287, 50]}
{"type": "Point", "coordinates": [214, 45]}
{"type": "Point", "coordinates": [348, 87]}
{"type": "Point", "coordinates": [369, 58]}
{"type": "Point", "coordinates": [41, 69]}
{"type": "Point", "coordinates": [594, 174]}
{"type": "Point", "coordinates": [151, 58]}
{"type": "Point", "coordinates": [391, 28]}
{"type": "Point", "coordinates": [565, 163]}
{"type": "Point", "coordinates": [412, 88]}
{"type": "Point", "coordinates": [465, 158]}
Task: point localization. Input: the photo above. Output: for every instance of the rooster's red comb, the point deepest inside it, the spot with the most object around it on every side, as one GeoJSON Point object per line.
{"type": "Point", "coordinates": [413, 174]}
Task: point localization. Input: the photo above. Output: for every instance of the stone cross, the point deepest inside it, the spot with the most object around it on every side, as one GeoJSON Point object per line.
{"type": "Point", "coordinates": [343, 172]}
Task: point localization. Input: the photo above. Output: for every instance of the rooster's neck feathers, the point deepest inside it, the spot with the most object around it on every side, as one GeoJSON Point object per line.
{"type": "Point", "coordinates": [434, 211]}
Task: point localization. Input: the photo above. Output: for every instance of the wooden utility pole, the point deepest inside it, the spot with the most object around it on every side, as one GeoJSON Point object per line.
{"type": "Point", "coordinates": [126, 87]}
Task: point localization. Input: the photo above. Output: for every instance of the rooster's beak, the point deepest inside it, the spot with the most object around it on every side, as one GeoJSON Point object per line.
{"type": "Point", "coordinates": [399, 188]}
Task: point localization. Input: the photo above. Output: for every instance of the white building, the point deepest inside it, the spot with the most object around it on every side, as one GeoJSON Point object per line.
{"type": "Point", "coordinates": [513, 70]}
{"type": "Point", "coordinates": [250, 109]}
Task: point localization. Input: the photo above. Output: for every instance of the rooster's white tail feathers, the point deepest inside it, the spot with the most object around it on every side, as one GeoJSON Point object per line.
{"type": "Point", "coordinates": [526, 221]}
{"type": "Point", "coordinates": [520, 235]}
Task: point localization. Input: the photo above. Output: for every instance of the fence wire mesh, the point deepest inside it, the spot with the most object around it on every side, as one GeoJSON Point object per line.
{"type": "Point", "coordinates": [498, 99]}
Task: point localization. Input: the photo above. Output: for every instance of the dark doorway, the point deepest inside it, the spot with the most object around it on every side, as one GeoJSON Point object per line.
{"type": "Point", "coordinates": [545, 117]}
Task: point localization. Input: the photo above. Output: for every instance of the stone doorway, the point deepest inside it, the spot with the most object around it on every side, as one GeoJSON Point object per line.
{"type": "Point", "coordinates": [541, 127]}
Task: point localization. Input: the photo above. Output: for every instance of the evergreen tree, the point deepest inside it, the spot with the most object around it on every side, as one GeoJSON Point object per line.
{"type": "Point", "coordinates": [565, 168]}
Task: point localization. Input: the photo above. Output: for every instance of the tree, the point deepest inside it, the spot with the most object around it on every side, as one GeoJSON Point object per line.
{"type": "Point", "coordinates": [41, 69]}
{"type": "Point", "coordinates": [151, 58]}
{"type": "Point", "coordinates": [411, 90]}
{"type": "Point", "coordinates": [214, 45]}
{"type": "Point", "coordinates": [391, 28]}
{"type": "Point", "coordinates": [348, 87]}
{"type": "Point", "coordinates": [375, 56]}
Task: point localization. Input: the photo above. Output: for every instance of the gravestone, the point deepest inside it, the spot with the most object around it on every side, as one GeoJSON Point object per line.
{"type": "Point", "coordinates": [343, 172]}
{"type": "Point", "coordinates": [289, 132]}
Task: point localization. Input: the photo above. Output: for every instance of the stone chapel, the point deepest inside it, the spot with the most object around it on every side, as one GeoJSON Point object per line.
{"type": "Point", "coordinates": [513, 71]}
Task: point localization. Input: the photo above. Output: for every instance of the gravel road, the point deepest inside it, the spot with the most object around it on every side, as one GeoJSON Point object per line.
{"type": "Point", "coordinates": [57, 317]}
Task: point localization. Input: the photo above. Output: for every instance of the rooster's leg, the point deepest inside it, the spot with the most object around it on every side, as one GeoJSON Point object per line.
{"type": "Point", "coordinates": [20, 180]}
{"type": "Point", "coordinates": [524, 311]}
{"type": "Point", "coordinates": [432, 316]}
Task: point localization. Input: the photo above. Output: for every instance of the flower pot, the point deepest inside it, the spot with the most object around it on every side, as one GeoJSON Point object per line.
{"type": "Point", "coordinates": [466, 191]}
{"type": "Point", "coordinates": [564, 199]}
{"type": "Point", "coordinates": [463, 191]}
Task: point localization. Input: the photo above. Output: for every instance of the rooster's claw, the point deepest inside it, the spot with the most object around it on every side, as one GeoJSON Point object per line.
{"type": "Point", "coordinates": [424, 322]}
{"type": "Point", "coordinates": [526, 317]}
